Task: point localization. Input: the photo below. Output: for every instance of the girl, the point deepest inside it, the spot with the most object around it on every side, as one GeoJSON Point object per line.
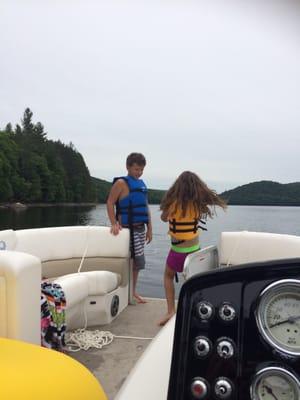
{"type": "Point", "coordinates": [183, 205]}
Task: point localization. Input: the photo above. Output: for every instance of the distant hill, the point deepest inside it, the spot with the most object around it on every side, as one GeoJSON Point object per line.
{"type": "Point", "coordinates": [264, 193]}
{"type": "Point", "coordinates": [103, 188]}
{"type": "Point", "coordinates": [155, 196]}
{"type": "Point", "coordinates": [34, 169]}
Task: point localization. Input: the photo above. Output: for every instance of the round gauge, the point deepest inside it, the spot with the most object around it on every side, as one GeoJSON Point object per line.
{"type": "Point", "coordinates": [278, 315]}
{"type": "Point", "coordinates": [275, 383]}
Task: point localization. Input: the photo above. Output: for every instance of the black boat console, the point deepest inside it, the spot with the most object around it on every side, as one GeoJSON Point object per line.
{"type": "Point", "coordinates": [237, 334]}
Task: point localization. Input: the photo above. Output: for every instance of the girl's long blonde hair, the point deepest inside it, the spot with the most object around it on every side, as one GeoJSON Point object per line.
{"type": "Point", "coordinates": [190, 191]}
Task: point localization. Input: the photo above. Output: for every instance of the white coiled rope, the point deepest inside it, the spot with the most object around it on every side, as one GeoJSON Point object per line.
{"type": "Point", "coordinates": [83, 339]}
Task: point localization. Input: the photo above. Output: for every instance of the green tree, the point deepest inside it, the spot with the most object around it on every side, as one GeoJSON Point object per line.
{"type": "Point", "coordinates": [8, 166]}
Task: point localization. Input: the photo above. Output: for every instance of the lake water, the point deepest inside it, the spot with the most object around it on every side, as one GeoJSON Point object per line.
{"type": "Point", "coordinates": [236, 218]}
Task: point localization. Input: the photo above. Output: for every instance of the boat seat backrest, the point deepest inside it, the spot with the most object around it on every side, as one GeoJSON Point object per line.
{"type": "Point", "coordinates": [61, 249]}
{"type": "Point", "coordinates": [247, 247]}
{"type": "Point", "coordinates": [71, 242]}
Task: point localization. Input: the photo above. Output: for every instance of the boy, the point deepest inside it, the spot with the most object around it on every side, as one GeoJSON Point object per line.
{"type": "Point", "coordinates": [129, 195]}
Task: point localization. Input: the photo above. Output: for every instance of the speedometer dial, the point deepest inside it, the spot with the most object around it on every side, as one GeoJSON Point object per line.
{"type": "Point", "coordinates": [278, 315]}
{"type": "Point", "coordinates": [275, 383]}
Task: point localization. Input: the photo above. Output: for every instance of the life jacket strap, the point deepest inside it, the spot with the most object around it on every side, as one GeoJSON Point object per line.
{"type": "Point", "coordinates": [132, 249]}
{"type": "Point", "coordinates": [176, 242]}
{"type": "Point", "coordinates": [138, 190]}
{"type": "Point", "coordinates": [174, 230]}
{"type": "Point", "coordinates": [194, 226]}
{"type": "Point", "coordinates": [133, 206]}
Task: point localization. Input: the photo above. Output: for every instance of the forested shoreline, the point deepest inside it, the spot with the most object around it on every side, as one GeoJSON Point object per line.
{"type": "Point", "coordinates": [34, 169]}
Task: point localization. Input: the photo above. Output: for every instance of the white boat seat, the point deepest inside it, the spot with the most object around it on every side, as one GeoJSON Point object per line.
{"type": "Point", "coordinates": [248, 247]}
{"type": "Point", "coordinates": [94, 299]}
{"type": "Point", "coordinates": [242, 247]}
{"type": "Point", "coordinates": [77, 287]}
{"type": "Point", "coordinates": [91, 297]}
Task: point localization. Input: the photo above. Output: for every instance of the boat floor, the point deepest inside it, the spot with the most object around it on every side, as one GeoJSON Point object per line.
{"type": "Point", "coordinates": [113, 362]}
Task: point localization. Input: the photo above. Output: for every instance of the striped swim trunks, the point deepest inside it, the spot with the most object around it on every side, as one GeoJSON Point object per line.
{"type": "Point", "coordinates": [139, 239]}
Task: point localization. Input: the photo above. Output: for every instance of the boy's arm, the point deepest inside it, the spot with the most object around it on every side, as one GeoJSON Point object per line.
{"type": "Point", "coordinates": [112, 199]}
{"type": "Point", "coordinates": [149, 226]}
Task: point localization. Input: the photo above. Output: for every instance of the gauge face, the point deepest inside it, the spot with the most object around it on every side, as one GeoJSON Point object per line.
{"type": "Point", "coordinates": [278, 316]}
{"type": "Point", "coordinates": [275, 383]}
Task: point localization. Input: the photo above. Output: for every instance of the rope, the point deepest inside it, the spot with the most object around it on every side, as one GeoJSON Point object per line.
{"type": "Point", "coordinates": [85, 250]}
{"type": "Point", "coordinates": [133, 337]}
{"type": "Point", "coordinates": [83, 339]}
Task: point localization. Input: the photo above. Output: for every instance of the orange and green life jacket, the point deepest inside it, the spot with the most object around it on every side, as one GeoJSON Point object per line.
{"type": "Point", "coordinates": [184, 228]}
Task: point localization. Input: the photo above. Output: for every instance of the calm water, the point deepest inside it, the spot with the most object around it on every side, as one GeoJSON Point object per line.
{"type": "Point", "coordinates": [254, 218]}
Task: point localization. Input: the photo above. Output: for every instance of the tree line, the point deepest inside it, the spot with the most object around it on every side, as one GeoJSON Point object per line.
{"type": "Point", "coordinates": [34, 169]}
{"type": "Point", "coordinates": [266, 193]}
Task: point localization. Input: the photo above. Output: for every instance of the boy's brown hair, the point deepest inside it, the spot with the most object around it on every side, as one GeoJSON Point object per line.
{"type": "Point", "coordinates": [135, 158]}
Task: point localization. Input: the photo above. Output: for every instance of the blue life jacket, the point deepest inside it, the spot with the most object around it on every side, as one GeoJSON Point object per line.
{"type": "Point", "coordinates": [133, 208]}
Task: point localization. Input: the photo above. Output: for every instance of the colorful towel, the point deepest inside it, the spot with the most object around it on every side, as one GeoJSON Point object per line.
{"type": "Point", "coordinates": [53, 316]}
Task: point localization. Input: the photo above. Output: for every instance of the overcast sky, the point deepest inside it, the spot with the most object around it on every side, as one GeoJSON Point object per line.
{"type": "Point", "coordinates": [210, 86]}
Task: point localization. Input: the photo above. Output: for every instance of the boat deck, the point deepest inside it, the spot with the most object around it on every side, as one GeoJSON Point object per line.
{"type": "Point", "coordinates": [113, 362]}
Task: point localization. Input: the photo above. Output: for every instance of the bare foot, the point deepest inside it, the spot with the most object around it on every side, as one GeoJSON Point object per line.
{"type": "Point", "coordinates": [166, 318]}
{"type": "Point", "coordinates": [139, 299]}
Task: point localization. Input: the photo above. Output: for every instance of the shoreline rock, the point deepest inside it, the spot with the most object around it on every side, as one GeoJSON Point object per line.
{"type": "Point", "coordinates": [14, 206]}
{"type": "Point", "coordinates": [19, 206]}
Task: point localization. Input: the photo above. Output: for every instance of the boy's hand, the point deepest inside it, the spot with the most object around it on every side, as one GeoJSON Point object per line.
{"type": "Point", "coordinates": [115, 228]}
{"type": "Point", "coordinates": [149, 235]}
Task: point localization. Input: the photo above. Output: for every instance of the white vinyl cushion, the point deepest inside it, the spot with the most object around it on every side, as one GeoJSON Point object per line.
{"type": "Point", "coordinates": [92, 283]}
{"type": "Point", "coordinates": [72, 242]}
{"type": "Point", "coordinates": [22, 274]}
{"type": "Point", "coordinates": [102, 282]}
{"type": "Point", "coordinates": [75, 287]}
{"type": "Point", "coordinates": [245, 247]}
{"type": "Point", "coordinates": [8, 239]}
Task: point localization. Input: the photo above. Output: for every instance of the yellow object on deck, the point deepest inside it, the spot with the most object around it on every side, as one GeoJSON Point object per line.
{"type": "Point", "coordinates": [31, 372]}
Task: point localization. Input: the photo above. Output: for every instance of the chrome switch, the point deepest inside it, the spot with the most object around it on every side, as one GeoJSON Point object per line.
{"type": "Point", "coordinates": [202, 346]}
{"type": "Point", "coordinates": [227, 312]}
{"type": "Point", "coordinates": [225, 348]}
{"type": "Point", "coordinates": [205, 310]}
{"type": "Point", "coordinates": [223, 388]}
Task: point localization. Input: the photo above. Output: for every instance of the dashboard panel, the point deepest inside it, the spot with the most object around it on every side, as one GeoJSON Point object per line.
{"type": "Point", "coordinates": [237, 334]}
